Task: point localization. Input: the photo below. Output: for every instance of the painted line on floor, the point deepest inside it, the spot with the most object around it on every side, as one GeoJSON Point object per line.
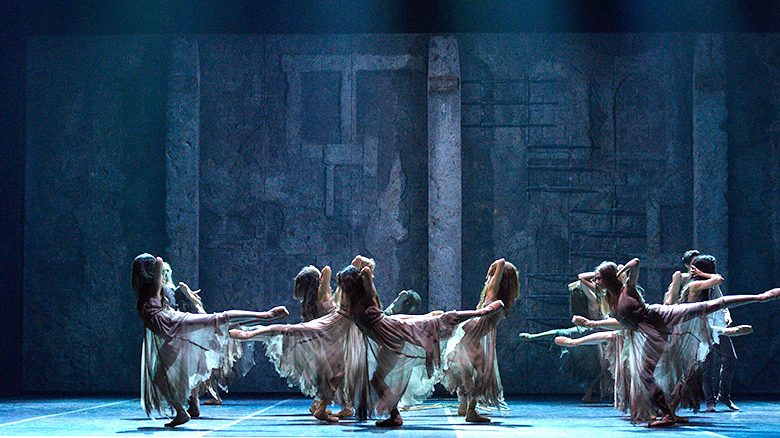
{"type": "Point", "coordinates": [456, 426]}
{"type": "Point", "coordinates": [246, 417]}
{"type": "Point", "coordinates": [64, 413]}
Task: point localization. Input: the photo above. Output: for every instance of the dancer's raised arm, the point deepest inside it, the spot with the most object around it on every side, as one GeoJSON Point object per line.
{"type": "Point", "coordinates": [495, 271]}
{"type": "Point", "coordinates": [586, 278]}
{"type": "Point", "coordinates": [633, 272]}
{"type": "Point", "coordinates": [709, 280]}
{"type": "Point", "coordinates": [673, 292]}
{"type": "Point", "coordinates": [324, 293]}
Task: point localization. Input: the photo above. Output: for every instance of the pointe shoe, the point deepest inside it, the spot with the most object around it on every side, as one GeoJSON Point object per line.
{"type": "Point", "coordinates": [314, 406]}
{"type": "Point", "coordinates": [562, 341]}
{"type": "Point", "coordinates": [710, 407]}
{"type": "Point", "coordinates": [742, 330]}
{"type": "Point", "coordinates": [213, 402]}
{"type": "Point", "coordinates": [180, 418]}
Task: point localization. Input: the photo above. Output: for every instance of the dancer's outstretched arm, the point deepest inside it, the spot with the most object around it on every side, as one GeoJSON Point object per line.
{"type": "Point", "coordinates": [246, 316]}
{"type": "Point", "coordinates": [457, 316]}
{"type": "Point", "coordinates": [740, 330]}
{"type": "Point", "coordinates": [591, 339]}
{"type": "Point", "coordinates": [549, 333]}
{"type": "Point", "coordinates": [608, 323]}
{"type": "Point", "coordinates": [270, 330]}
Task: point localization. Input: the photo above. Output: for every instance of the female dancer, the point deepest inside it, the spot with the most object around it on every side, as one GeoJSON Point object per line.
{"type": "Point", "coordinates": [646, 331]}
{"type": "Point", "coordinates": [470, 367]}
{"type": "Point", "coordinates": [408, 339]}
{"type": "Point", "coordinates": [323, 357]}
{"type": "Point", "coordinates": [181, 350]}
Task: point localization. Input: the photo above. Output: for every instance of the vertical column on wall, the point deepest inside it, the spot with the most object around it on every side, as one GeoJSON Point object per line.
{"type": "Point", "coordinates": [182, 202]}
{"type": "Point", "coordinates": [444, 174]}
{"type": "Point", "coordinates": [710, 150]}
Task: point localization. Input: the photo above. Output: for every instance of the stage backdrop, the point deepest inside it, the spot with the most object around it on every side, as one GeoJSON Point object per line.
{"type": "Point", "coordinates": [243, 158]}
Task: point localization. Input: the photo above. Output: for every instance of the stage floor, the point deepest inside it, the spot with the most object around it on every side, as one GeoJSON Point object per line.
{"type": "Point", "coordinates": [288, 417]}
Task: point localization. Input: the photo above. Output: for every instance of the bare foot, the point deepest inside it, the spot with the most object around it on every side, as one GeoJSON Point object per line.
{"type": "Point", "coordinates": [473, 417]}
{"type": "Point", "coordinates": [665, 421]}
{"type": "Point", "coordinates": [345, 412]}
{"type": "Point", "coordinates": [325, 416]}
{"type": "Point", "coordinates": [180, 418]}
{"type": "Point", "coordinates": [393, 421]}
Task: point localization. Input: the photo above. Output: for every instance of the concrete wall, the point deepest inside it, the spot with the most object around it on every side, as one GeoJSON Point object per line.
{"type": "Point", "coordinates": [243, 158]}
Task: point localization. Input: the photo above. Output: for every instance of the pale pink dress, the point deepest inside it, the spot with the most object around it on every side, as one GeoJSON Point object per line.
{"type": "Point", "coordinates": [180, 352]}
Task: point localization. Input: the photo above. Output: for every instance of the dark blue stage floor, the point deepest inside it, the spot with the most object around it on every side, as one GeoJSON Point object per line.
{"type": "Point", "coordinates": [282, 417]}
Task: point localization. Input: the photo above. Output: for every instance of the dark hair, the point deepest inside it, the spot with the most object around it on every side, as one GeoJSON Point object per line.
{"type": "Point", "coordinates": [689, 255]}
{"type": "Point", "coordinates": [354, 292]}
{"type": "Point", "coordinates": [142, 278]}
{"type": "Point", "coordinates": [705, 263]}
{"type": "Point", "coordinates": [305, 288]}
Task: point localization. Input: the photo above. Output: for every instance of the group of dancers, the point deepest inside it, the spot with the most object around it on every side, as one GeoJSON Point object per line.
{"type": "Point", "coordinates": [350, 352]}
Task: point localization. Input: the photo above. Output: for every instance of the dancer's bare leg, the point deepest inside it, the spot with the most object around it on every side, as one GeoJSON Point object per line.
{"type": "Point", "coordinates": [463, 403]}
